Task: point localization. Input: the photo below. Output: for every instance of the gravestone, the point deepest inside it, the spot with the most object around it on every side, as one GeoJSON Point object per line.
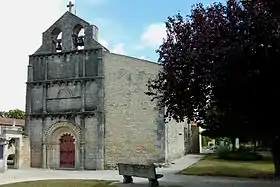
{"type": "Point", "coordinates": [3, 163]}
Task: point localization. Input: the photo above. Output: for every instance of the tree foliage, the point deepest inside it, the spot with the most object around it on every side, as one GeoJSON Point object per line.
{"type": "Point", "coordinates": [16, 113]}
{"type": "Point", "coordinates": [219, 69]}
{"type": "Point", "coordinates": [273, 5]}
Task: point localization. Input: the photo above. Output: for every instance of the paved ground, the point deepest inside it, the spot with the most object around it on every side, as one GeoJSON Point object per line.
{"type": "Point", "coordinates": [170, 179]}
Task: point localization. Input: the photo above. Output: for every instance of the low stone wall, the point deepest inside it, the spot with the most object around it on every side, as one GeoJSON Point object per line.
{"type": "Point", "coordinates": [3, 165]}
{"type": "Point", "coordinates": [25, 153]}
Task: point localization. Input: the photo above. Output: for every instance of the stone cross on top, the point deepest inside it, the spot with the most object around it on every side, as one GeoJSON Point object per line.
{"type": "Point", "coordinates": [70, 5]}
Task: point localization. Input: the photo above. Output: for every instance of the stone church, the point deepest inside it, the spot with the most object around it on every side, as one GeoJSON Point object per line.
{"type": "Point", "coordinates": [86, 107]}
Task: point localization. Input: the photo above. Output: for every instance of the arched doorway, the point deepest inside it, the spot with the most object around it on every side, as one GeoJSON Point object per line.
{"type": "Point", "coordinates": [67, 151]}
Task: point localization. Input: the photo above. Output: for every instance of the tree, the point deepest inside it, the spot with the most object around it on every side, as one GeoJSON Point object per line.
{"type": "Point", "coordinates": [16, 113]}
{"type": "Point", "coordinates": [3, 114]}
{"type": "Point", "coordinates": [219, 68]}
{"type": "Point", "coordinates": [273, 5]}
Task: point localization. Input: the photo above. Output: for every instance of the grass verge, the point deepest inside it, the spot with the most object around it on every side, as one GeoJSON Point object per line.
{"type": "Point", "coordinates": [212, 166]}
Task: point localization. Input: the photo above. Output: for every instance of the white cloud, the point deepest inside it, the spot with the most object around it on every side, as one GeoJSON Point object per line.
{"type": "Point", "coordinates": [153, 35]}
{"type": "Point", "coordinates": [118, 48]}
{"type": "Point", "coordinates": [22, 25]}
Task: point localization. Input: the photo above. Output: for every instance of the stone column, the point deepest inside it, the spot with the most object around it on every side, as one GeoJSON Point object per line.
{"type": "Point", "coordinates": [83, 83]}
{"type": "Point", "coordinates": [46, 67]}
{"type": "Point", "coordinates": [82, 155]}
{"type": "Point", "coordinates": [45, 86]}
{"type": "Point", "coordinates": [82, 144]}
{"type": "Point", "coordinates": [84, 63]}
{"type": "Point", "coordinates": [83, 90]}
{"type": "Point", "coordinates": [44, 147]}
{"type": "Point", "coordinates": [44, 99]}
{"type": "Point", "coordinates": [101, 121]}
{"type": "Point", "coordinates": [30, 73]}
{"type": "Point", "coordinates": [44, 157]}
{"type": "Point", "coordinates": [75, 57]}
{"type": "Point", "coordinates": [28, 89]}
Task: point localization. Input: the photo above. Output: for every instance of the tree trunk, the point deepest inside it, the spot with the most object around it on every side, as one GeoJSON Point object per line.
{"type": "Point", "coordinates": [233, 144]}
{"type": "Point", "coordinates": [276, 158]}
{"type": "Point", "coordinates": [255, 146]}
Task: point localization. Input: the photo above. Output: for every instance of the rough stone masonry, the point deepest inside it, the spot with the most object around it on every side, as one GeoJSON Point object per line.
{"type": "Point", "coordinates": [87, 108]}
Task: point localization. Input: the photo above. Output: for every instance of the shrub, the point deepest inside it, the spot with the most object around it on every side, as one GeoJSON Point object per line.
{"type": "Point", "coordinates": [239, 155]}
{"type": "Point", "coordinates": [222, 149]}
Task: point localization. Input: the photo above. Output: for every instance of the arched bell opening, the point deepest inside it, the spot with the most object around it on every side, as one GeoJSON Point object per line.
{"type": "Point", "coordinates": [56, 36]}
{"type": "Point", "coordinates": [78, 37]}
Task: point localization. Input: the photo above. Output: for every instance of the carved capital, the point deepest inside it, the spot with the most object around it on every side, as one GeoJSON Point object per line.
{"type": "Point", "coordinates": [83, 83]}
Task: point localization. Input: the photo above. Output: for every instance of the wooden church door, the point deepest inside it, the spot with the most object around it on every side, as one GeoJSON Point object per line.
{"type": "Point", "coordinates": [67, 151]}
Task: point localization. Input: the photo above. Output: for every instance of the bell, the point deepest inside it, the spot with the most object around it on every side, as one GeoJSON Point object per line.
{"type": "Point", "coordinates": [80, 41]}
{"type": "Point", "coordinates": [58, 47]}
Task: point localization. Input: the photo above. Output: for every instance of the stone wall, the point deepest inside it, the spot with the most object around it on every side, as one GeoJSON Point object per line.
{"type": "Point", "coordinates": [35, 134]}
{"type": "Point", "coordinates": [134, 131]}
{"type": "Point", "coordinates": [25, 153]}
{"type": "Point", "coordinates": [175, 140]}
{"type": "Point", "coordinates": [93, 146]}
{"type": "Point", "coordinates": [195, 146]}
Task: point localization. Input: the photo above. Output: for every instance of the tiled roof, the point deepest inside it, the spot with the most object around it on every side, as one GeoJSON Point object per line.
{"type": "Point", "coordinates": [11, 121]}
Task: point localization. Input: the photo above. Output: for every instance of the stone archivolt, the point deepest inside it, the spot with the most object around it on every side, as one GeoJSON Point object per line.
{"type": "Point", "coordinates": [71, 126]}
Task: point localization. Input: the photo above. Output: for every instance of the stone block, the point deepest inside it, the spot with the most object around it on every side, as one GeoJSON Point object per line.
{"type": "Point", "coordinates": [143, 171]}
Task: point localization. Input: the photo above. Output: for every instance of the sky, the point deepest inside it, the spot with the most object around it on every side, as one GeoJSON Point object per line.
{"type": "Point", "coordinates": [130, 27]}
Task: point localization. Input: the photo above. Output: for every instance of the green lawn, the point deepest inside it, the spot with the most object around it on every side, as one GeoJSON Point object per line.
{"type": "Point", "coordinates": [212, 166]}
{"type": "Point", "coordinates": [62, 183]}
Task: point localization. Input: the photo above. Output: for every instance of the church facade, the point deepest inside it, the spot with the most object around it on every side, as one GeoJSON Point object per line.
{"type": "Point", "coordinates": [86, 107]}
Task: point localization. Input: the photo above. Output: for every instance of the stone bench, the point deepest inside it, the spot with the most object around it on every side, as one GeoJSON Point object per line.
{"type": "Point", "coordinates": [137, 170]}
